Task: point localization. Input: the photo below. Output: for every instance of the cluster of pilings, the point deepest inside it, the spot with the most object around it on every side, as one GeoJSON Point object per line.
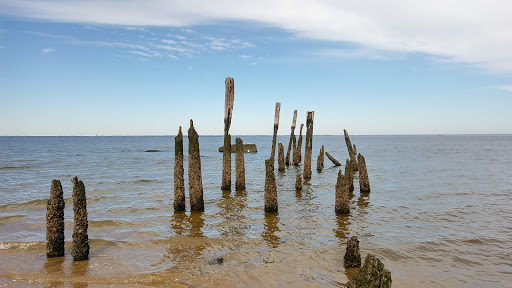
{"type": "Point", "coordinates": [55, 222]}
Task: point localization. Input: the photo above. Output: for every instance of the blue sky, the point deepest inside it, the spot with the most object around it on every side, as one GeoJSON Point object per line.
{"type": "Point", "coordinates": [147, 67]}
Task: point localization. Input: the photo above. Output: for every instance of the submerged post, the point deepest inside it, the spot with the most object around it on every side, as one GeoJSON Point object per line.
{"type": "Point", "coordinates": [349, 174]}
{"type": "Point", "coordinates": [334, 161]}
{"type": "Point", "coordinates": [297, 151]}
{"type": "Point", "coordinates": [80, 245]}
{"type": "Point", "coordinates": [195, 180]}
{"type": "Point", "coordinates": [364, 182]}
{"type": "Point", "coordinates": [240, 166]}
{"type": "Point", "coordinates": [351, 153]}
{"type": "Point", "coordinates": [55, 221]}
{"type": "Point", "coordinates": [292, 139]}
{"type": "Point", "coordinates": [298, 182]}
{"type": "Point", "coordinates": [372, 274]}
{"type": "Point", "coordinates": [270, 187]}
{"type": "Point", "coordinates": [320, 161]}
{"type": "Point", "coordinates": [309, 145]}
{"type": "Point", "coordinates": [179, 181]}
{"type": "Point", "coordinates": [352, 256]}
{"type": "Point", "coordinates": [276, 126]}
{"type": "Point", "coordinates": [280, 157]}
{"type": "Point", "coordinates": [342, 204]}
{"type": "Point", "coordinates": [229, 98]}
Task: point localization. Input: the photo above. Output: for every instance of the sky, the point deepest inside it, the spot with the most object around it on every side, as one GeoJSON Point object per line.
{"type": "Point", "coordinates": [146, 67]}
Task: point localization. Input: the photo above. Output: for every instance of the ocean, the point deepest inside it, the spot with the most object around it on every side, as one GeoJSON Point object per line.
{"type": "Point", "coordinates": [439, 214]}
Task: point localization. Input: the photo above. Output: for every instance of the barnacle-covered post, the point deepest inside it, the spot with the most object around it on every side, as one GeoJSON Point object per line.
{"type": "Point", "coordinates": [195, 181]}
{"type": "Point", "coordinates": [292, 139]}
{"type": "Point", "coordinates": [270, 187]}
{"type": "Point", "coordinates": [364, 182]}
{"type": "Point", "coordinates": [80, 245]}
{"type": "Point", "coordinates": [55, 221]}
{"type": "Point", "coordinates": [179, 181]}
{"type": "Point", "coordinates": [240, 166]}
{"type": "Point", "coordinates": [297, 150]}
{"type": "Point", "coordinates": [309, 145]}
{"type": "Point", "coordinates": [320, 161]}
{"type": "Point", "coordinates": [280, 157]}
{"type": "Point", "coordinates": [274, 137]}
{"type": "Point", "coordinates": [229, 98]}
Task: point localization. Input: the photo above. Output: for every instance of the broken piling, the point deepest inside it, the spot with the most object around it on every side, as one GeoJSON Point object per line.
{"type": "Point", "coordinates": [372, 274]}
{"type": "Point", "coordinates": [320, 161]}
{"type": "Point", "coordinates": [351, 153]}
{"type": "Point", "coordinates": [229, 98]}
{"type": "Point", "coordinates": [179, 181]}
{"type": "Point", "coordinates": [297, 151]}
{"type": "Point", "coordinates": [364, 182]}
{"type": "Point", "coordinates": [80, 245]}
{"type": "Point", "coordinates": [309, 145]}
{"type": "Point", "coordinates": [195, 181]}
{"type": "Point", "coordinates": [334, 161]}
{"type": "Point", "coordinates": [298, 182]}
{"type": "Point", "coordinates": [55, 221]}
{"type": "Point", "coordinates": [342, 204]}
{"type": "Point", "coordinates": [280, 157]}
{"type": "Point", "coordinates": [352, 256]}
{"type": "Point", "coordinates": [292, 139]}
{"type": "Point", "coordinates": [240, 166]}
{"type": "Point", "coordinates": [270, 187]}
{"type": "Point", "coordinates": [276, 126]}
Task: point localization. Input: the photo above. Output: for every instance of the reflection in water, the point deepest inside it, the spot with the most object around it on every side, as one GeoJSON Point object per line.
{"type": "Point", "coordinates": [79, 270]}
{"type": "Point", "coordinates": [178, 222]}
{"type": "Point", "coordinates": [232, 212]}
{"type": "Point", "coordinates": [54, 269]}
{"type": "Point", "coordinates": [196, 224]}
{"type": "Point", "coordinates": [342, 220]}
{"type": "Point", "coordinates": [362, 203]}
{"type": "Point", "coordinates": [270, 227]}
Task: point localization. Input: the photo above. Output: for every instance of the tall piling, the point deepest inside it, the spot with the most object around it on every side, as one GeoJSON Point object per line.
{"type": "Point", "coordinates": [280, 157]}
{"type": "Point", "coordinates": [179, 179]}
{"type": "Point", "coordinates": [351, 153]}
{"type": "Point", "coordinates": [320, 161]}
{"type": "Point", "coordinates": [292, 139]}
{"type": "Point", "coordinates": [274, 137]}
{"type": "Point", "coordinates": [55, 221]}
{"type": "Point", "coordinates": [297, 152]}
{"type": "Point", "coordinates": [364, 182]}
{"type": "Point", "coordinates": [80, 245]}
{"type": "Point", "coordinates": [195, 180]}
{"type": "Point", "coordinates": [270, 187]}
{"type": "Point", "coordinates": [240, 166]}
{"type": "Point", "coordinates": [309, 145]}
{"type": "Point", "coordinates": [334, 161]}
{"type": "Point", "coordinates": [342, 204]}
{"type": "Point", "coordinates": [229, 99]}
{"type": "Point", "coordinates": [349, 174]}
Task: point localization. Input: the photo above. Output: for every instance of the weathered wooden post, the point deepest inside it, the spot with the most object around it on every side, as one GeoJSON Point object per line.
{"type": "Point", "coordinates": [280, 157]}
{"type": "Point", "coordinates": [240, 166]}
{"type": "Point", "coordinates": [351, 153]}
{"type": "Point", "coordinates": [372, 274]}
{"type": "Point", "coordinates": [55, 221]}
{"type": "Point", "coordinates": [229, 98]}
{"type": "Point", "coordinates": [320, 161]}
{"type": "Point", "coordinates": [179, 181]}
{"type": "Point", "coordinates": [352, 255]}
{"type": "Point", "coordinates": [298, 182]}
{"type": "Point", "coordinates": [342, 204]}
{"type": "Point", "coordinates": [292, 139]}
{"type": "Point", "coordinates": [309, 145]}
{"type": "Point", "coordinates": [80, 245]}
{"type": "Point", "coordinates": [195, 180]}
{"type": "Point", "coordinates": [349, 174]}
{"type": "Point", "coordinates": [276, 126]}
{"type": "Point", "coordinates": [270, 187]}
{"type": "Point", "coordinates": [364, 182]}
{"type": "Point", "coordinates": [334, 161]}
{"type": "Point", "coordinates": [297, 151]}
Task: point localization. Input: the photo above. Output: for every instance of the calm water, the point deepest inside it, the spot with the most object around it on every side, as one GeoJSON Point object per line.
{"type": "Point", "coordinates": [439, 214]}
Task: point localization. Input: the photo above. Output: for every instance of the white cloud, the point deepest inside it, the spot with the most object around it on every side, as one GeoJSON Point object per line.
{"type": "Point", "coordinates": [474, 31]}
{"type": "Point", "coordinates": [141, 53]}
{"type": "Point", "coordinates": [172, 56]}
{"type": "Point", "coordinates": [245, 56]}
{"type": "Point", "coordinates": [507, 88]}
{"type": "Point", "coordinates": [47, 50]}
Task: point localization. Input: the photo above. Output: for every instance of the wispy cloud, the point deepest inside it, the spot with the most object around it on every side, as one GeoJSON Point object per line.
{"type": "Point", "coordinates": [221, 44]}
{"type": "Point", "coordinates": [47, 50]}
{"type": "Point", "coordinates": [354, 53]}
{"type": "Point", "coordinates": [141, 53]}
{"type": "Point", "coordinates": [507, 88]}
{"type": "Point", "coordinates": [245, 56]}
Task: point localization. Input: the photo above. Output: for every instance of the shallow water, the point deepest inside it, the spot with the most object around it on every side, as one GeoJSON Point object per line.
{"type": "Point", "coordinates": [439, 214]}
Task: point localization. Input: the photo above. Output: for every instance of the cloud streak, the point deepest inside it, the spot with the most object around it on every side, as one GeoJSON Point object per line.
{"type": "Point", "coordinates": [47, 50]}
{"type": "Point", "coordinates": [474, 32]}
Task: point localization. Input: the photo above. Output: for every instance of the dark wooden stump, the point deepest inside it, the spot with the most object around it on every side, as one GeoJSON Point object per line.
{"type": "Point", "coordinates": [240, 166]}
{"type": "Point", "coordinates": [298, 182]}
{"type": "Point", "coordinates": [229, 99]}
{"type": "Point", "coordinates": [364, 182]}
{"type": "Point", "coordinates": [274, 137]}
{"type": "Point", "coordinates": [55, 221]}
{"type": "Point", "coordinates": [372, 274]}
{"type": "Point", "coordinates": [270, 187]}
{"type": "Point", "coordinates": [352, 256]}
{"type": "Point", "coordinates": [292, 139]}
{"type": "Point", "coordinates": [351, 153]}
{"type": "Point", "coordinates": [195, 180]}
{"type": "Point", "coordinates": [334, 161]}
{"type": "Point", "coordinates": [320, 161]}
{"type": "Point", "coordinates": [342, 204]}
{"type": "Point", "coordinates": [297, 152]}
{"type": "Point", "coordinates": [226, 164]}
{"type": "Point", "coordinates": [80, 245]}
{"type": "Point", "coordinates": [309, 146]}
{"type": "Point", "coordinates": [179, 181]}
{"type": "Point", "coordinates": [349, 174]}
{"type": "Point", "coordinates": [280, 157]}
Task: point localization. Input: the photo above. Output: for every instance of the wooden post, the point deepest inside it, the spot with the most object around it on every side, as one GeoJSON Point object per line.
{"type": "Point", "coordinates": [372, 274]}
{"type": "Point", "coordinates": [320, 161]}
{"type": "Point", "coordinates": [292, 138]}
{"type": "Point", "coordinates": [349, 174]}
{"type": "Point", "coordinates": [229, 98]}
{"type": "Point", "coordinates": [270, 187]}
{"type": "Point", "coordinates": [334, 161]}
{"type": "Point", "coordinates": [351, 153]}
{"type": "Point", "coordinates": [364, 182]}
{"type": "Point", "coordinates": [80, 245]}
{"type": "Point", "coordinates": [298, 182]}
{"type": "Point", "coordinates": [352, 256]}
{"type": "Point", "coordinates": [280, 157]}
{"type": "Point", "coordinates": [179, 181]}
{"type": "Point", "coordinates": [55, 221]}
{"type": "Point", "coordinates": [342, 204]}
{"type": "Point", "coordinates": [195, 180]}
{"type": "Point", "coordinates": [309, 145]}
{"type": "Point", "coordinates": [297, 157]}
{"type": "Point", "coordinates": [240, 166]}
{"type": "Point", "coordinates": [276, 126]}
